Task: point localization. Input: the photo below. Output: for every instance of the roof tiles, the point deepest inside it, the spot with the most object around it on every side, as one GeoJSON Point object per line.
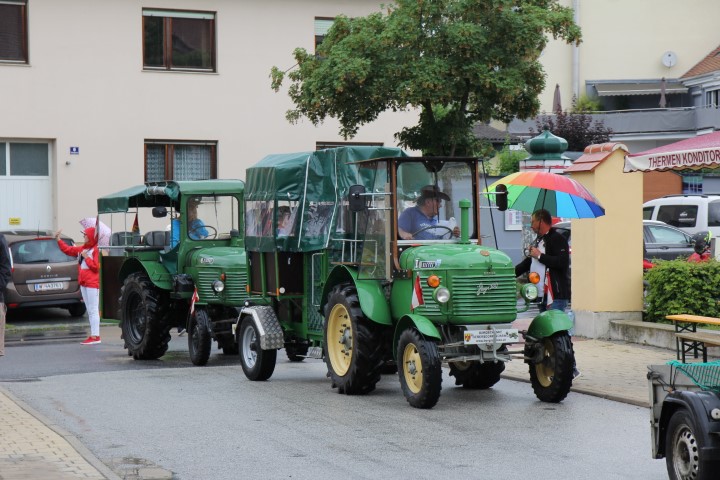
{"type": "Point", "coordinates": [709, 64]}
{"type": "Point", "coordinates": [593, 156]}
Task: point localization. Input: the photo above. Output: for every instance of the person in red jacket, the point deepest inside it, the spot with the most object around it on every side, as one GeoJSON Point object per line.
{"type": "Point", "coordinates": [88, 278]}
{"type": "Point", "coordinates": [701, 247]}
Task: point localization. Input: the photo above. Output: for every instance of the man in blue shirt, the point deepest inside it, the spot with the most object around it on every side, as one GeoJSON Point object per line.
{"type": "Point", "coordinates": [196, 227]}
{"type": "Point", "coordinates": [415, 223]}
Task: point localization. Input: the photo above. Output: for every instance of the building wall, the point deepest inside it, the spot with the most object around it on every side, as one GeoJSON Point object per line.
{"type": "Point", "coordinates": [625, 39]}
{"type": "Point", "coordinates": [658, 184]}
{"type": "Point", "coordinates": [85, 87]}
{"type": "Point", "coordinates": [607, 251]}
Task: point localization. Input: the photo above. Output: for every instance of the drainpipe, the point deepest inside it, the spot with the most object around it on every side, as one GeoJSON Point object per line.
{"type": "Point", "coordinates": [576, 54]}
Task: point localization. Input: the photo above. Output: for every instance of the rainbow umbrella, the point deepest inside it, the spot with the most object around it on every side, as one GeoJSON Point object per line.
{"type": "Point", "coordinates": [558, 194]}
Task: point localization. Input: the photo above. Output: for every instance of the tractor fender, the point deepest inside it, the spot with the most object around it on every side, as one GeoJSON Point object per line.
{"type": "Point", "coordinates": [549, 322]}
{"type": "Point", "coordinates": [156, 272]}
{"type": "Point", "coordinates": [267, 324]}
{"type": "Point", "coordinates": [421, 323]}
{"type": "Point", "coordinates": [372, 299]}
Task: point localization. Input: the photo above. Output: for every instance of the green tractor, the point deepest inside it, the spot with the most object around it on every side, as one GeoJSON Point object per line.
{"type": "Point", "coordinates": [339, 271]}
{"type": "Point", "coordinates": [187, 271]}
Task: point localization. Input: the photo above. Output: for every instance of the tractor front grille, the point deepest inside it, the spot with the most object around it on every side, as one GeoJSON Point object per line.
{"type": "Point", "coordinates": [234, 293]}
{"type": "Point", "coordinates": [473, 296]}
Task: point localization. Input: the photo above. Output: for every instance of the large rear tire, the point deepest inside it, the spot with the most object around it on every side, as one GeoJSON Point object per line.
{"type": "Point", "coordinates": [684, 448]}
{"type": "Point", "coordinates": [199, 337]}
{"type": "Point", "coordinates": [420, 371]}
{"type": "Point", "coordinates": [143, 318]}
{"type": "Point", "coordinates": [352, 343]}
{"type": "Point", "coordinates": [476, 375]}
{"type": "Point", "coordinates": [551, 378]}
{"type": "Point", "coordinates": [258, 364]}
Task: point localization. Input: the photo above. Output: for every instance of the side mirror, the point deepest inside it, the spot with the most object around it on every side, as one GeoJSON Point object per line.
{"type": "Point", "coordinates": [159, 212]}
{"type": "Point", "coordinates": [356, 198]}
{"type": "Point", "coordinates": [501, 199]}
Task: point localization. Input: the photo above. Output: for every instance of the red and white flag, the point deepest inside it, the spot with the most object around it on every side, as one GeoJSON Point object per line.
{"type": "Point", "coordinates": [195, 298]}
{"type": "Point", "coordinates": [417, 295]}
{"type": "Point", "coordinates": [548, 289]}
{"type": "Point", "coordinates": [136, 225]}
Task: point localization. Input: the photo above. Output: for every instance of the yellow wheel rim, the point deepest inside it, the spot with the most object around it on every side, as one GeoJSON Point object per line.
{"type": "Point", "coordinates": [412, 368]}
{"type": "Point", "coordinates": [340, 339]}
{"type": "Point", "coordinates": [546, 369]}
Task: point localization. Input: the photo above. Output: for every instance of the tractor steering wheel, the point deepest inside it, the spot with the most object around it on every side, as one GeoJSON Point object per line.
{"type": "Point", "coordinates": [449, 231]}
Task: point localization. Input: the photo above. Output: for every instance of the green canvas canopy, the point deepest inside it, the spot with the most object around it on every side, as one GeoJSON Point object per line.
{"type": "Point", "coordinates": [154, 194]}
{"type": "Point", "coordinates": [311, 185]}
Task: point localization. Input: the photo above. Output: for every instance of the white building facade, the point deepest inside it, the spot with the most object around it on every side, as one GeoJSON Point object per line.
{"type": "Point", "coordinates": [101, 96]}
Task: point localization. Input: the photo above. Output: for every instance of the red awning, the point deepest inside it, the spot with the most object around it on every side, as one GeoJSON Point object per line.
{"type": "Point", "coordinates": [697, 152]}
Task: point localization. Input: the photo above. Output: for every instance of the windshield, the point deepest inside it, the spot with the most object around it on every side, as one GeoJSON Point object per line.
{"type": "Point", "coordinates": [39, 251]}
{"type": "Point", "coordinates": [428, 202]}
{"type": "Point", "coordinates": [211, 217]}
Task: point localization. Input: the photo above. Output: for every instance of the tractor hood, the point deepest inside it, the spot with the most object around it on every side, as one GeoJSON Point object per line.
{"type": "Point", "coordinates": [227, 257]}
{"type": "Point", "coordinates": [455, 256]}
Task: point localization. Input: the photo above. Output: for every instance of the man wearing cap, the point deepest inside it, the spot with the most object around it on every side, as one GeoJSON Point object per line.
{"type": "Point", "coordinates": [417, 222]}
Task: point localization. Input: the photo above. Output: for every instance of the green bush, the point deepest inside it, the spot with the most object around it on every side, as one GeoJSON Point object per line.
{"type": "Point", "coordinates": [678, 287]}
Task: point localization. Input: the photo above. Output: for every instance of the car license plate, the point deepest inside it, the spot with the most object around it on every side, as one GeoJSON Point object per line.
{"type": "Point", "coordinates": [44, 287]}
{"type": "Point", "coordinates": [483, 337]}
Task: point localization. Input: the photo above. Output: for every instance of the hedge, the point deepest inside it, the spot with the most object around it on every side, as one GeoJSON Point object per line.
{"type": "Point", "coordinates": [678, 287]}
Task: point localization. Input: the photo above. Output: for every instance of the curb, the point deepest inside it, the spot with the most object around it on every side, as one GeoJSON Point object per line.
{"type": "Point", "coordinates": [585, 391]}
{"type": "Point", "coordinates": [25, 335]}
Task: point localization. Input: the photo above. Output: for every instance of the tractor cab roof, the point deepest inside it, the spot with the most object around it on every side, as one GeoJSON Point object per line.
{"type": "Point", "coordinates": [153, 194]}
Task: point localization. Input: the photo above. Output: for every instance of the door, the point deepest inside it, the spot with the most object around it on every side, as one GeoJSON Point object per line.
{"type": "Point", "coordinates": [25, 186]}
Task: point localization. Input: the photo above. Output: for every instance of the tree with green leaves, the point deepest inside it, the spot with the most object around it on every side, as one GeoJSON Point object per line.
{"type": "Point", "coordinates": [458, 62]}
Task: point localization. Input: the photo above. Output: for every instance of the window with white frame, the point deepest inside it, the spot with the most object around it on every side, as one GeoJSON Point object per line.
{"type": "Point", "coordinates": [178, 40]}
{"type": "Point", "coordinates": [20, 159]}
{"type": "Point", "coordinates": [13, 31]}
{"type": "Point", "coordinates": [166, 160]}
{"type": "Point", "coordinates": [712, 98]}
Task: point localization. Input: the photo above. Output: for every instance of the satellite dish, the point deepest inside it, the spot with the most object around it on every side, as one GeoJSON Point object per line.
{"type": "Point", "coordinates": [669, 59]}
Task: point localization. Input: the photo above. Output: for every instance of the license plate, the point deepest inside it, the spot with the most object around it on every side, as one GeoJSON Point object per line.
{"type": "Point", "coordinates": [483, 337]}
{"type": "Point", "coordinates": [44, 287]}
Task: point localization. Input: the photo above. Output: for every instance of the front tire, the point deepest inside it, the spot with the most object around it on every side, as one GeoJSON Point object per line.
{"type": "Point", "coordinates": [143, 318]}
{"type": "Point", "coordinates": [258, 364]}
{"type": "Point", "coordinates": [683, 448]}
{"type": "Point", "coordinates": [420, 371]}
{"type": "Point", "coordinates": [551, 378]}
{"type": "Point", "coordinates": [352, 343]}
{"type": "Point", "coordinates": [199, 337]}
{"type": "Point", "coordinates": [476, 375]}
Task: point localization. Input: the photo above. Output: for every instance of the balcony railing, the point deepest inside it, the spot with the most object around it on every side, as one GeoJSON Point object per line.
{"type": "Point", "coordinates": [648, 121]}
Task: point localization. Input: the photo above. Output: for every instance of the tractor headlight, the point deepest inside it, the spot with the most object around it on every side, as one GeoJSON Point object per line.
{"type": "Point", "coordinates": [218, 286]}
{"type": "Point", "coordinates": [529, 292]}
{"type": "Point", "coordinates": [441, 295]}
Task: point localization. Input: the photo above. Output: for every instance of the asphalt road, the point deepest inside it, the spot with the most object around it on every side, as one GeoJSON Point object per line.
{"type": "Point", "coordinates": [211, 422]}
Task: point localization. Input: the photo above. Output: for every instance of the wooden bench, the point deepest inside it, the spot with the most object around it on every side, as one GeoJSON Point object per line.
{"type": "Point", "coordinates": [688, 340]}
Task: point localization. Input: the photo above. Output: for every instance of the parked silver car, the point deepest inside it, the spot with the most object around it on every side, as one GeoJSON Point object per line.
{"type": "Point", "coordinates": [662, 241]}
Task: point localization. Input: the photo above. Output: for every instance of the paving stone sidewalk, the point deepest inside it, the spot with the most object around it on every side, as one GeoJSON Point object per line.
{"type": "Point", "coordinates": [610, 369]}
{"type": "Point", "coordinates": [32, 448]}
